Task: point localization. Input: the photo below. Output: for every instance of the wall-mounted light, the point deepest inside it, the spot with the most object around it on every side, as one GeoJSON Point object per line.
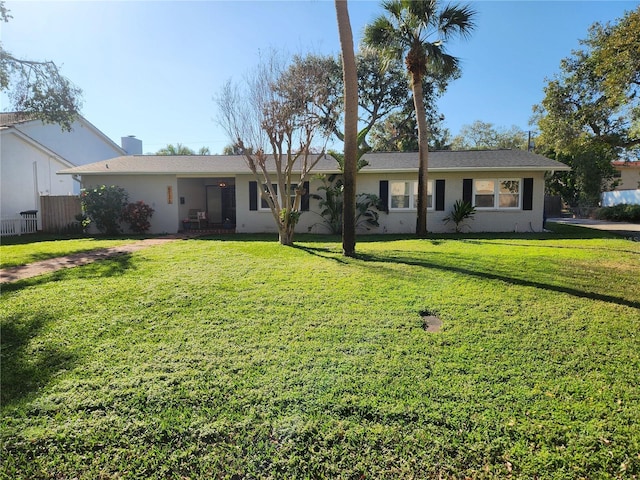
{"type": "Point", "coordinates": [222, 184]}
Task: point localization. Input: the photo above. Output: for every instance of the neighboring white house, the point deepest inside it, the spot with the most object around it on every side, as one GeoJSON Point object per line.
{"type": "Point", "coordinates": [628, 188]}
{"type": "Point", "coordinates": [506, 186]}
{"type": "Point", "coordinates": [32, 152]}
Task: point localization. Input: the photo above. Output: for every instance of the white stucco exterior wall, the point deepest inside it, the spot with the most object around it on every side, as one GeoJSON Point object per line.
{"type": "Point", "coordinates": [27, 173]}
{"type": "Point", "coordinates": [262, 221]}
{"type": "Point", "coordinates": [485, 220]}
{"type": "Point", "coordinates": [152, 190]}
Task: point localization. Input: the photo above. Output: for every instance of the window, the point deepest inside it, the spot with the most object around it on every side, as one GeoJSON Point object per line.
{"type": "Point", "coordinates": [509, 196]}
{"type": "Point", "coordinates": [496, 193]}
{"type": "Point", "coordinates": [263, 202]}
{"type": "Point", "coordinates": [403, 195]}
{"type": "Point", "coordinates": [274, 188]}
{"type": "Point", "coordinates": [485, 193]}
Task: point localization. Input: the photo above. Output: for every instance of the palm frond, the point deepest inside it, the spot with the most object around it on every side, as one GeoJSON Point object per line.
{"type": "Point", "coordinates": [394, 8]}
{"type": "Point", "coordinates": [440, 61]}
{"type": "Point", "coordinates": [456, 20]}
{"type": "Point", "coordinates": [424, 10]}
{"type": "Point", "coordinates": [380, 33]}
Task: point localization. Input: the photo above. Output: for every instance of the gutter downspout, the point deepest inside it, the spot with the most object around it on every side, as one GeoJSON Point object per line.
{"type": "Point", "coordinates": [36, 190]}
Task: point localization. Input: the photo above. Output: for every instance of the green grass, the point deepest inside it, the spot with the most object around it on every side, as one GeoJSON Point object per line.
{"type": "Point", "coordinates": [33, 248]}
{"type": "Point", "coordinates": [239, 358]}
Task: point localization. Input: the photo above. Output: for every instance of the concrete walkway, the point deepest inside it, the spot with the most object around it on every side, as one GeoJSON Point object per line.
{"type": "Point", "coordinates": [50, 265]}
{"type": "Point", "coordinates": [621, 228]}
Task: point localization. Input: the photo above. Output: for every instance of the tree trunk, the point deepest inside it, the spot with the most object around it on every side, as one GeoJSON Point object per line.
{"type": "Point", "coordinates": [423, 155]}
{"type": "Point", "coordinates": [285, 236]}
{"type": "Point", "coordinates": [350, 76]}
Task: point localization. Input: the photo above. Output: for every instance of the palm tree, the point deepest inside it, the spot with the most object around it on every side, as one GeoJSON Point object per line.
{"type": "Point", "coordinates": [350, 75]}
{"type": "Point", "coordinates": [417, 30]}
{"type": "Point", "coordinates": [177, 149]}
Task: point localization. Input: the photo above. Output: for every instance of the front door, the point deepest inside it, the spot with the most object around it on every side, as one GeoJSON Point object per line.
{"type": "Point", "coordinates": [229, 204]}
{"type": "Point", "coordinates": [221, 204]}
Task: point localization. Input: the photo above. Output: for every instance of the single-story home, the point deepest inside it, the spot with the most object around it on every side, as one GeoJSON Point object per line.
{"type": "Point", "coordinates": [505, 186]}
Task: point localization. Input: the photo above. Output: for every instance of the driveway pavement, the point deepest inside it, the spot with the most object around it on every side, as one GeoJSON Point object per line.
{"type": "Point", "coordinates": [622, 228]}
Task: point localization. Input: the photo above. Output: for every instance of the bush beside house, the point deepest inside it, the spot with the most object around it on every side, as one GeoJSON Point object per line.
{"type": "Point", "coordinates": [107, 206]}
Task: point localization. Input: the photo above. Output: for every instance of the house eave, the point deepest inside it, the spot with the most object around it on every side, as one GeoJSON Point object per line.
{"type": "Point", "coordinates": [364, 171]}
{"type": "Point", "coordinates": [10, 130]}
{"type": "Point", "coordinates": [470, 169]}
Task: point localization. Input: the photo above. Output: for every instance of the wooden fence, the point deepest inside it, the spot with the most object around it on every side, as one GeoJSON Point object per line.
{"type": "Point", "coordinates": [552, 206]}
{"type": "Point", "coordinates": [58, 214]}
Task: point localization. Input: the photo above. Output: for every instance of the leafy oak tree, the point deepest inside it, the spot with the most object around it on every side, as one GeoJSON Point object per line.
{"type": "Point", "coordinates": [484, 135]}
{"type": "Point", "coordinates": [590, 114]}
{"type": "Point", "coordinates": [381, 90]}
{"type": "Point", "coordinates": [398, 132]}
{"type": "Point", "coordinates": [37, 89]}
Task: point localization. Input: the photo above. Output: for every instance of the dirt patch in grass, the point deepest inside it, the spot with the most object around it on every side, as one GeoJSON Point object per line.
{"type": "Point", "coordinates": [431, 323]}
{"type": "Point", "coordinates": [21, 272]}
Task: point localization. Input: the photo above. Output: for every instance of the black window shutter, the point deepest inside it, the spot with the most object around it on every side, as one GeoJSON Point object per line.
{"type": "Point", "coordinates": [440, 195]}
{"type": "Point", "coordinates": [384, 196]}
{"type": "Point", "coordinates": [304, 201]}
{"type": "Point", "coordinates": [527, 194]}
{"type": "Point", "coordinates": [467, 190]}
{"type": "Point", "coordinates": [253, 195]}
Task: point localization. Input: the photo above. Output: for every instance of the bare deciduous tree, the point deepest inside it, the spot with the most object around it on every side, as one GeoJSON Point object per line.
{"type": "Point", "coordinates": [274, 120]}
{"type": "Point", "coordinates": [37, 89]}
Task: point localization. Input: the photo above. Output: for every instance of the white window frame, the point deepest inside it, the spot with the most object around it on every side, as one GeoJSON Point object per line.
{"type": "Point", "coordinates": [262, 203]}
{"type": "Point", "coordinates": [413, 195]}
{"type": "Point", "coordinates": [497, 183]}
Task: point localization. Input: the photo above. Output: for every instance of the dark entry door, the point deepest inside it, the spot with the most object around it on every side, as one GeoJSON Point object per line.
{"type": "Point", "coordinates": [228, 200]}
{"type": "Point", "coordinates": [221, 204]}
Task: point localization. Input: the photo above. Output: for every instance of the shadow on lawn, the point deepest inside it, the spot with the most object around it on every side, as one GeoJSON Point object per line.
{"type": "Point", "coordinates": [542, 245]}
{"type": "Point", "coordinates": [555, 232]}
{"type": "Point", "coordinates": [503, 278]}
{"type": "Point", "coordinates": [101, 267]}
{"type": "Point", "coordinates": [26, 368]}
{"type": "Point", "coordinates": [328, 254]}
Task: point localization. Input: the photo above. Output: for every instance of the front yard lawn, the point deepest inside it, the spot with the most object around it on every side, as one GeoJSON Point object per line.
{"type": "Point", "coordinates": [244, 359]}
{"type": "Point", "coordinates": [33, 248]}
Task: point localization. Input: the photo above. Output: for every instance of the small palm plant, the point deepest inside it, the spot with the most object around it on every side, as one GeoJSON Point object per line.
{"type": "Point", "coordinates": [331, 204]}
{"type": "Point", "coordinates": [460, 212]}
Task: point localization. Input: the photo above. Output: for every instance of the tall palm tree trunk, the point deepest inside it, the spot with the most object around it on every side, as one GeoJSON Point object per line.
{"type": "Point", "coordinates": [423, 154]}
{"type": "Point", "coordinates": [350, 129]}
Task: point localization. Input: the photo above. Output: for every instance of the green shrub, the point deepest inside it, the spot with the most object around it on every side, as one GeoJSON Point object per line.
{"type": "Point", "coordinates": [461, 211]}
{"type": "Point", "coordinates": [104, 205]}
{"type": "Point", "coordinates": [367, 205]}
{"type": "Point", "coordinates": [620, 213]}
{"type": "Point", "coordinates": [137, 215]}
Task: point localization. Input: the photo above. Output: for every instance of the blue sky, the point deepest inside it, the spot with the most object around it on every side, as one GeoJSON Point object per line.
{"type": "Point", "coordinates": [151, 68]}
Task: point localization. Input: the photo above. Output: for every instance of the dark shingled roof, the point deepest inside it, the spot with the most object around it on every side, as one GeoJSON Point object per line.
{"type": "Point", "coordinates": [439, 161]}
{"type": "Point", "coordinates": [181, 165]}
{"type": "Point", "coordinates": [12, 118]}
